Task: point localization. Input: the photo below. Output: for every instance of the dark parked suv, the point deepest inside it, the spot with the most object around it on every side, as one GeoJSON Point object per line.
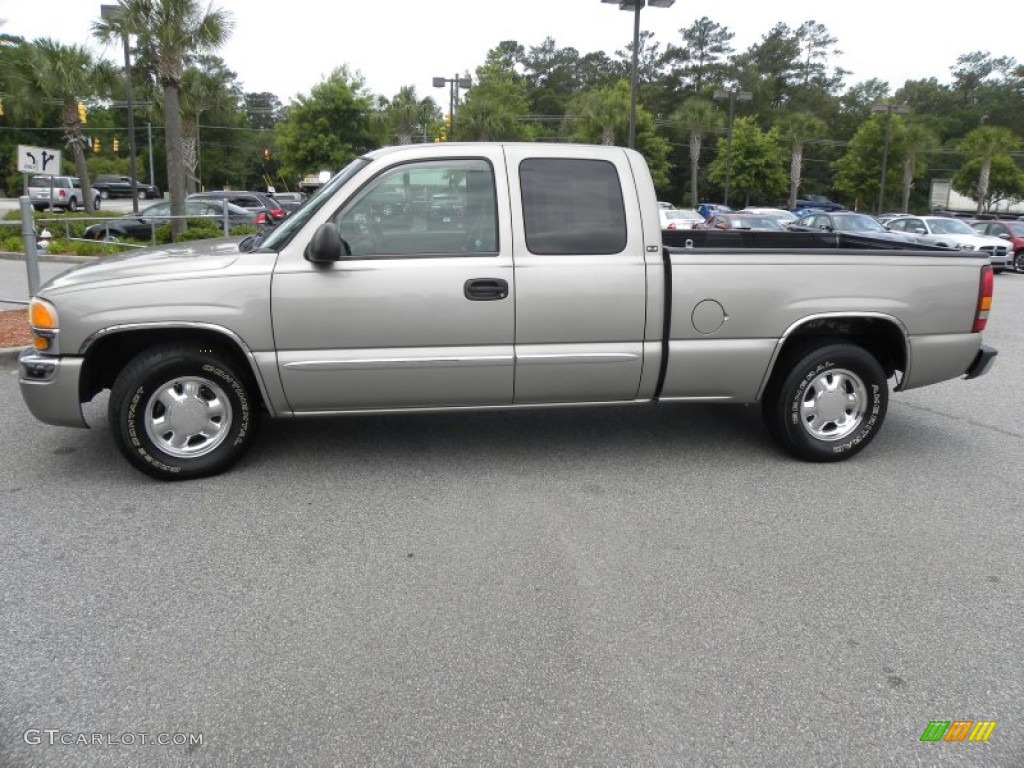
{"type": "Point", "coordinates": [109, 185]}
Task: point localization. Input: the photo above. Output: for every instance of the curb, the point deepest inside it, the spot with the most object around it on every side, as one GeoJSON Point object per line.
{"type": "Point", "coordinates": [10, 355]}
{"type": "Point", "coordinates": [57, 257]}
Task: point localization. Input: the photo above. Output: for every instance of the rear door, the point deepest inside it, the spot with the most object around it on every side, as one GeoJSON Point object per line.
{"type": "Point", "coordinates": [580, 275]}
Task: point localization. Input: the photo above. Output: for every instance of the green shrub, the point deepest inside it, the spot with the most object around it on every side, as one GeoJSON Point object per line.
{"type": "Point", "coordinates": [10, 239]}
{"type": "Point", "coordinates": [88, 248]}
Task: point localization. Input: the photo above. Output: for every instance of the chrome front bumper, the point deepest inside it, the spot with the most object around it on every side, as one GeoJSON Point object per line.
{"type": "Point", "coordinates": [49, 387]}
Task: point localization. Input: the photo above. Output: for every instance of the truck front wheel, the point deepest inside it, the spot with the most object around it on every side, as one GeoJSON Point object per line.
{"type": "Point", "coordinates": [826, 403]}
{"type": "Point", "coordinates": [178, 412]}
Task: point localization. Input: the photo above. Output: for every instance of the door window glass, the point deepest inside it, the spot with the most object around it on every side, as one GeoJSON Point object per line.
{"type": "Point", "coordinates": [440, 208]}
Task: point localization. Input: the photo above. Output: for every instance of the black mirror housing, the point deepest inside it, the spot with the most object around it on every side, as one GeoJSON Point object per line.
{"type": "Point", "coordinates": [326, 245]}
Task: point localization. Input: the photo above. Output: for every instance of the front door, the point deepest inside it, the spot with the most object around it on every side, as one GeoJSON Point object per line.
{"type": "Point", "coordinates": [421, 314]}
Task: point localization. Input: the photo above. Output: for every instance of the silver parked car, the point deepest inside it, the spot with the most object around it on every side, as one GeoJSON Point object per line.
{"type": "Point", "coordinates": [953, 233]}
{"type": "Point", "coordinates": [58, 192]}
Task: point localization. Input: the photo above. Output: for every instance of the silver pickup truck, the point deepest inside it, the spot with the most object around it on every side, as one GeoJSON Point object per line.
{"type": "Point", "coordinates": [480, 276]}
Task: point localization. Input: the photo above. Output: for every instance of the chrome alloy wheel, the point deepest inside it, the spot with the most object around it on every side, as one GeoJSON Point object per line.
{"type": "Point", "coordinates": [833, 405]}
{"type": "Point", "coordinates": [188, 417]}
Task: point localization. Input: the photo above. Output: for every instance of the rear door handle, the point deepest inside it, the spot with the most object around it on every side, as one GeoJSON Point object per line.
{"type": "Point", "coordinates": [485, 289]}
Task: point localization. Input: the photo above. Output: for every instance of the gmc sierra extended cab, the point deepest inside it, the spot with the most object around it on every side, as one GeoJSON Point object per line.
{"type": "Point", "coordinates": [544, 282]}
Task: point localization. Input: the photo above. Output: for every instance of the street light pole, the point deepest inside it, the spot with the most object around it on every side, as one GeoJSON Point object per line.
{"type": "Point", "coordinates": [733, 96]}
{"type": "Point", "coordinates": [114, 13]}
{"type": "Point", "coordinates": [453, 93]}
{"type": "Point", "coordinates": [899, 109]}
{"type": "Point", "coordinates": [636, 6]}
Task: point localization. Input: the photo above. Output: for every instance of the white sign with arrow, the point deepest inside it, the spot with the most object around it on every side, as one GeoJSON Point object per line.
{"type": "Point", "coordinates": [38, 160]}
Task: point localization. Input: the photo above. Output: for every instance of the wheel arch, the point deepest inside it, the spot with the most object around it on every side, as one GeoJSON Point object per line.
{"type": "Point", "coordinates": [108, 351]}
{"type": "Point", "coordinates": [884, 336]}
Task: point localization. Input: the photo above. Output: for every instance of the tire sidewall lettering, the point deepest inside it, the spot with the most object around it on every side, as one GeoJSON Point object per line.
{"type": "Point", "coordinates": [147, 374]}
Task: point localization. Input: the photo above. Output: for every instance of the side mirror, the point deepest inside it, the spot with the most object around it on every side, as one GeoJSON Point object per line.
{"type": "Point", "coordinates": [326, 245]}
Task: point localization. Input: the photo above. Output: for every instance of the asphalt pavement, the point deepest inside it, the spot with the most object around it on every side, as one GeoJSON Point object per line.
{"type": "Point", "coordinates": [649, 586]}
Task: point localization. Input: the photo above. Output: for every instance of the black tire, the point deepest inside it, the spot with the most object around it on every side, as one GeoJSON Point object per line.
{"type": "Point", "coordinates": [143, 194]}
{"type": "Point", "coordinates": [105, 194]}
{"type": "Point", "coordinates": [826, 403]}
{"type": "Point", "coordinates": [1018, 262]}
{"type": "Point", "coordinates": [215, 420]}
{"type": "Point", "coordinates": [96, 204]}
{"type": "Point", "coordinates": [73, 204]}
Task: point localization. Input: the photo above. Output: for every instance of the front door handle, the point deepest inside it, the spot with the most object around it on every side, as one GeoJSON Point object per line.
{"type": "Point", "coordinates": [485, 289]}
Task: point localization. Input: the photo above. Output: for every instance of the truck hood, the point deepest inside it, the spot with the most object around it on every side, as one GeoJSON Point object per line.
{"type": "Point", "coordinates": [160, 262]}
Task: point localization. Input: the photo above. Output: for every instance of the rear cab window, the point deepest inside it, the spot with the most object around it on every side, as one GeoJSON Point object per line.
{"type": "Point", "coordinates": [572, 206]}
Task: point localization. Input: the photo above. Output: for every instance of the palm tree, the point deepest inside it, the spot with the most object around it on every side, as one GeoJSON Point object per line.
{"type": "Point", "coordinates": [602, 112]}
{"type": "Point", "coordinates": [916, 140]}
{"type": "Point", "coordinates": [200, 92]}
{"type": "Point", "coordinates": [46, 71]}
{"type": "Point", "coordinates": [173, 30]}
{"type": "Point", "coordinates": [696, 118]}
{"type": "Point", "coordinates": [795, 129]}
{"type": "Point", "coordinates": [405, 114]}
{"type": "Point", "coordinates": [984, 144]}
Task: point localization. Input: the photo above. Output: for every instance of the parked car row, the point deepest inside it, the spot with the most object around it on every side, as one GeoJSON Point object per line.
{"type": "Point", "coordinates": [1002, 240]}
{"type": "Point", "coordinates": [140, 226]}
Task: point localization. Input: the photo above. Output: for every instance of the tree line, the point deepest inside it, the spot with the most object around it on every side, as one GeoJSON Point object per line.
{"type": "Point", "coordinates": [798, 127]}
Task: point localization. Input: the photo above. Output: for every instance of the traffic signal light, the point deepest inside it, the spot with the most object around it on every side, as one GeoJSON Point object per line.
{"type": "Point", "coordinates": [117, 145]}
{"type": "Point", "coordinates": [96, 146]}
{"type": "Point", "coordinates": [447, 127]}
{"type": "Point", "coordinates": [81, 112]}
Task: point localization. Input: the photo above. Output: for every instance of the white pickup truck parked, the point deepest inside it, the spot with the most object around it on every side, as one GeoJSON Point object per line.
{"type": "Point", "coordinates": [541, 280]}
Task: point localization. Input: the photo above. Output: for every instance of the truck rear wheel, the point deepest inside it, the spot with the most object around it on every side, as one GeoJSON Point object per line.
{"type": "Point", "coordinates": [826, 403]}
{"type": "Point", "coordinates": [177, 412]}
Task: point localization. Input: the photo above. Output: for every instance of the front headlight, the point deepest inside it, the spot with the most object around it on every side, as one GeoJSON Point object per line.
{"type": "Point", "coordinates": [42, 317]}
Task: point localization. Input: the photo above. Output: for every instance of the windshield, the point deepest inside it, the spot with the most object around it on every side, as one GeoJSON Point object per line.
{"type": "Point", "coordinates": [857, 223]}
{"type": "Point", "coordinates": [682, 214]}
{"type": "Point", "coordinates": [950, 227]}
{"type": "Point", "coordinates": [284, 231]}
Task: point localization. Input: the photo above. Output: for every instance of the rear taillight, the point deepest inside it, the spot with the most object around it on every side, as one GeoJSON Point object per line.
{"type": "Point", "coordinates": [985, 286]}
{"type": "Point", "coordinates": [277, 213]}
{"type": "Point", "coordinates": [261, 218]}
{"type": "Point", "coordinates": [671, 225]}
{"type": "Point", "coordinates": [62, 193]}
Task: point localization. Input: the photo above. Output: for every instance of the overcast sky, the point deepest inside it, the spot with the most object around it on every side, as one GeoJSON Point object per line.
{"type": "Point", "coordinates": [287, 46]}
